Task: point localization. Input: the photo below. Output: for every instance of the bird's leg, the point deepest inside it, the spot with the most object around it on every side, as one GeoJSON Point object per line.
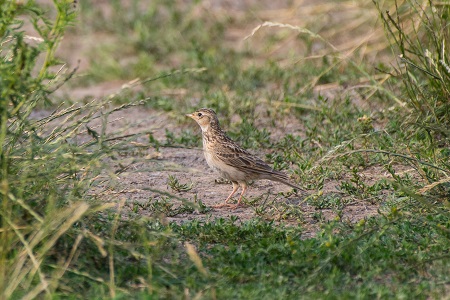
{"type": "Point", "coordinates": [235, 188]}
{"type": "Point", "coordinates": [244, 188]}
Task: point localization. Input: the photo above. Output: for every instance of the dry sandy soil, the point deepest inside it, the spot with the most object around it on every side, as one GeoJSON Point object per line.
{"type": "Point", "coordinates": [145, 181]}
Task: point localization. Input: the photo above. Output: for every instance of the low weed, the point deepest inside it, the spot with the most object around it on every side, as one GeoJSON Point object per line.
{"type": "Point", "coordinates": [248, 136]}
{"type": "Point", "coordinates": [166, 207]}
{"type": "Point", "coordinates": [177, 186]}
{"type": "Point", "coordinates": [274, 208]}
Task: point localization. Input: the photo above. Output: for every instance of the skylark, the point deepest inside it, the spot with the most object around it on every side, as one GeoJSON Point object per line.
{"type": "Point", "coordinates": [229, 159]}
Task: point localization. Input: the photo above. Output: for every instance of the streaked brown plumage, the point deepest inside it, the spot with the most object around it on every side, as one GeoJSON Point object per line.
{"type": "Point", "coordinates": [229, 159]}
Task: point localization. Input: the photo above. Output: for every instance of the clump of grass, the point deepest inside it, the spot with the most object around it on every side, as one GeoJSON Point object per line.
{"type": "Point", "coordinates": [42, 176]}
{"type": "Point", "coordinates": [420, 39]}
{"type": "Point", "coordinates": [372, 251]}
{"type": "Point", "coordinates": [50, 165]}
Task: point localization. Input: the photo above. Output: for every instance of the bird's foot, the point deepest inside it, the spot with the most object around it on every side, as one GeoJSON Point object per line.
{"type": "Point", "coordinates": [234, 206]}
{"type": "Point", "coordinates": [221, 205]}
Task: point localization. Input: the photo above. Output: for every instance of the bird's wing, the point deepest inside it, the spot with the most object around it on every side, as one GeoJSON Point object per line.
{"type": "Point", "coordinates": [233, 155]}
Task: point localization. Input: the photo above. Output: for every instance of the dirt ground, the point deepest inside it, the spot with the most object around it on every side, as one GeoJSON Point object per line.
{"type": "Point", "coordinates": [145, 182]}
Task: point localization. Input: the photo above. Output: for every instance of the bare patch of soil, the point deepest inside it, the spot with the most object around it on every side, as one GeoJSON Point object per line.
{"type": "Point", "coordinates": [145, 187]}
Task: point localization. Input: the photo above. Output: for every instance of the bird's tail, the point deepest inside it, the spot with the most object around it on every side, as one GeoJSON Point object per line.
{"type": "Point", "coordinates": [283, 178]}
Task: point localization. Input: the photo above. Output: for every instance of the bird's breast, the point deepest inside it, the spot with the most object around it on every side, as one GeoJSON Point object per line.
{"type": "Point", "coordinates": [208, 150]}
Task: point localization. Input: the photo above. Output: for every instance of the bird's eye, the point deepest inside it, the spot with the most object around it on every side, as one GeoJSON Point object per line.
{"type": "Point", "coordinates": [199, 114]}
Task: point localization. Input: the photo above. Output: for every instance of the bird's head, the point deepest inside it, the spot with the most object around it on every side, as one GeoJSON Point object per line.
{"type": "Point", "coordinates": [206, 118]}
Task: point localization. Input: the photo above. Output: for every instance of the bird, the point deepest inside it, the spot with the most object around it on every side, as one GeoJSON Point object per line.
{"type": "Point", "coordinates": [232, 162]}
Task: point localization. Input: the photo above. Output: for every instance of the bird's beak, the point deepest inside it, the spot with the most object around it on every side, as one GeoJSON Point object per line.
{"type": "Point", "coordinates": [190, 115]}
